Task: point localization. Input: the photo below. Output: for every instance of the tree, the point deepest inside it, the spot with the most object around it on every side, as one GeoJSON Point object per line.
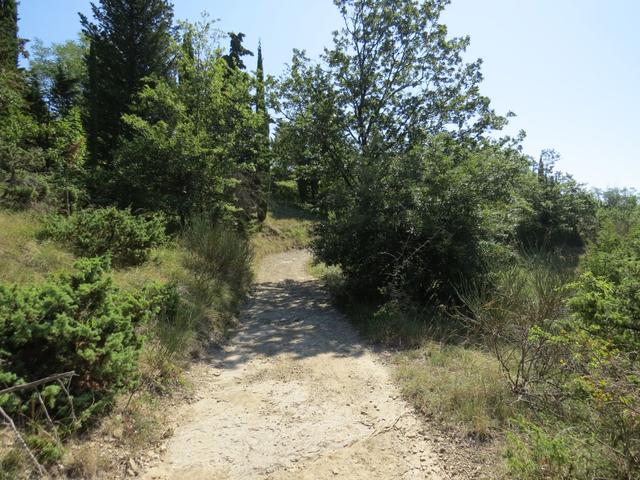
{"type": "Point", "coordinates": [263, 164]}
{"type": "Point", "coordinates": [130, 41]}
{"type": "Point", "coordinates": [236, 51]}
{"type": "Point", "coordinates": [559, 214]}
{"type": "Point", "coordinates": [310, 142]}
{"type": "Point", "coordinates": [10, 44]}
{"type": "Point", "coordinates": [65, 92]}
{"type": "Point", "coordinates": [261, 101]}
{"type": "Point", "coordinates": [61, 71]}
{"type": "Point", "coordinates": [396, 120]}
{"type": "Point", "coordinates": [401, 79]}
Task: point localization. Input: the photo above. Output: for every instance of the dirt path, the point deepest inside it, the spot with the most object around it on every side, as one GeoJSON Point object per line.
{"type": "Point", "coordinates": [296, 395]}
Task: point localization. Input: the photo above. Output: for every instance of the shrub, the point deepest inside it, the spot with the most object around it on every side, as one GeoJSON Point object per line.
{"type": "Point", "coordinates": [415, 231]}
{"type": "Point", "coordinates": [516, 315]}
{"type": "Point", "coordinates": [127, 238]}
{"type": "Point", "coordinates": [534, 454]}
{"type": "Point", "coordinates": [77, 321]}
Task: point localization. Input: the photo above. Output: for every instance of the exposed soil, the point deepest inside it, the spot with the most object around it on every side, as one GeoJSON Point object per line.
{"type": "Point", "coordinates": [296, 395]}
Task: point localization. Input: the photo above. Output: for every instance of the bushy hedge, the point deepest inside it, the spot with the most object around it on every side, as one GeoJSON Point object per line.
{"type": "Point", "coordinates": [127, 238]}
{"type": "Point", "coordinates": [75, 321]}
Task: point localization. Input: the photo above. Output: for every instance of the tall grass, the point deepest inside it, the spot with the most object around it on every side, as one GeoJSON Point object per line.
{"type": "Point", "coordinates": [207, 292]}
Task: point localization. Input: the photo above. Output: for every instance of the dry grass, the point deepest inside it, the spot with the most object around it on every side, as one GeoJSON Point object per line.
{"type": "Point", "coordinates": [285, 228]}
{"type": "Point", "coordinates": [457, 384]}
{"type": "Point", "coordinates": [86, 461]}
{"type": "Point", "coordinates": [164, 265]}
{"type": "Point", "coordinates": [23, 258]}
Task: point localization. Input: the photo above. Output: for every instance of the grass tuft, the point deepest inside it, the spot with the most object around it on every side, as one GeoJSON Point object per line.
{"type": "Point", "coordinates": [456, 384]}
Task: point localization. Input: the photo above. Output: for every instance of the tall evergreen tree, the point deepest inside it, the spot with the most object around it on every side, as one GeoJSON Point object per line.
{"type": "Point", "coordinates": [65, 92]}
{"type": "Point", "coordinates": [9, 42]}
{"type": "Point", "coordinates": [237, 51]}
{"type": "Point", "coordinates": [261, 102]}
{"type": "Point", "coordinates": [130, 41]}
{"type": "Point", "coordinates": [262, 165]}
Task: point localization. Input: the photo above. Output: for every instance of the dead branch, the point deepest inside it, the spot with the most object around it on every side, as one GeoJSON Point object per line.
{"type": "Point", "coordinates": [24, 445]}
{"type": "Point", "coordinates": [25, 386]}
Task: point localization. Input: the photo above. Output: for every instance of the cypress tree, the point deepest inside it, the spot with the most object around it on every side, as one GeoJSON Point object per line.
{"type": "Point", "coordinates": [262, 166]}
{"type": "Point", "coordinates": [9, 42]}
{"type": "Point", "coordinates": [130, 41]}
{"type": "Point", "coordinates": [261, 102]}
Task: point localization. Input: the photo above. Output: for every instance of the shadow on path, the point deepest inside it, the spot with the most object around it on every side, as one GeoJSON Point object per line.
{"type": "Point", "coordinates": [290, 317]}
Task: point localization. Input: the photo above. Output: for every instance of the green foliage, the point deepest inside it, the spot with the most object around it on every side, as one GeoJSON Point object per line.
{"type": "Point", "coordinates": [126, 238]}
{"type": "Point", "coordinates": [74, 321]}
{"type": "Point", "coordinates": [309, 141]}
{"type": "Point", "coordinates": [198, 145]}
{"type": "Point", "coordinates": [61, 72]}
{"type": "Point", "coordinates": [422, 229]}
{"type": "Point", "coordinates": [167, 164]}
{"type": "Point", "coordinates": [130, 41]}
{"type": "Point", "coordinates": [607, 297]}
{"type": "Point", "coordinates": [559, 213]}
{"type": "Point", "coordinates": [9, 42]}
{"type": "Point", "coordinates": [535, 455]}
{"type": "Point", "coordinates": [21, 158]}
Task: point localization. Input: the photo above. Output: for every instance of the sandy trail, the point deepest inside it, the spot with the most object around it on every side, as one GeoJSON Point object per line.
{"type": "Point", "coordinates": [295, 395]}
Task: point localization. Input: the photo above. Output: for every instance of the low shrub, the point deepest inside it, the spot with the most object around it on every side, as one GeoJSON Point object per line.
{"type": "Point", "coordinates": [534, 454]}
{"type": "Point", "coordinates": [127, 238]}
{"type": "Point", "coordinates": [74, 321]}
{"type": "Point", "coordinates": [515, 316]}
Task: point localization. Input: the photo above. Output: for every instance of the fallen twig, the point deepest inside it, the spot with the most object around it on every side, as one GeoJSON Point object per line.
{"type": "Point", "coordinates": [24, 445]}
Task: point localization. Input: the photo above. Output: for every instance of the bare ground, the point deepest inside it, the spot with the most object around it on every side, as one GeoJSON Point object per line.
{"type": "Point", "coordinates": [296, 395]}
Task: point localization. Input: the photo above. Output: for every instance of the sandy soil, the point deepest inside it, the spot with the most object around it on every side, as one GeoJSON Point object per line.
{"type": "Point", "coordinates": [296, 395]}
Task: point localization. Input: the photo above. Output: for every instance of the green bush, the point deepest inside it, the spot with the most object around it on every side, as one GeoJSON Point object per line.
{"type": "Point", "coordinates": [127, 238]}
{"type": "Point", "coordinates": [75, 321]}
{"type": "Point", "coordinates": [534, 454]}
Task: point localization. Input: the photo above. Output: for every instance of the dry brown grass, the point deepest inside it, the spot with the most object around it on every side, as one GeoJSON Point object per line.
{"type": "Point", "coordinates": [24, 258]}
{"type": "Point", "coordinates": [285, 228]}
{"type": "Point", "coordinates": [457, 384]}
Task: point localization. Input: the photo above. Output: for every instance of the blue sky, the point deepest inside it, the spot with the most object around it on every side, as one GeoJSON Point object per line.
{"type": "Point", "coordinates": [569, 69]}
